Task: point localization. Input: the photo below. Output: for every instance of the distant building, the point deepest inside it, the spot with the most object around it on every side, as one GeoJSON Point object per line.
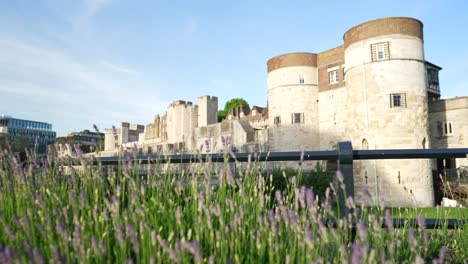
{"type": "Point", "coordinates": [87, 140]}
{"type": "Point", "coordinates": [40, 134]}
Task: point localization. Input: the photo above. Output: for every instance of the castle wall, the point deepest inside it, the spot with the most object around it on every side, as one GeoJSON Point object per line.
{"type": "Point", "coordinates": [375, 124]}
{"type": "Point", "coordinates": [332, 118]}
{"type": "Point", "coordinates": [218, 137]}
{"type": "Point", "coordinates": [449, 125]}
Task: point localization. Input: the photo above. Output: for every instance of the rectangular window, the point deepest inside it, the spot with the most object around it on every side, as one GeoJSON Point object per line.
{"type": "Point", "coordinates": [301, 78]}
{"type": "Point", "coordinates": [277, 120]}
{"type": "Point", "coordinates": [448, 128]}
{"type": "Point", "coordinates": [297, 118]}
{"type": "Point", "coordinates": [398, 100]}
{"type": "Point", "coordinates": [333, 77]}
{"type": "Point", "coordinates": [380, 51]}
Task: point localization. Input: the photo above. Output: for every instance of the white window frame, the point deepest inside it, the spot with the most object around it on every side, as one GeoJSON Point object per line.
{"type": "Point", "coordinates": [401, 101]}
{"type": "Point", "coordinates": [447, 128]}
{"type": "Point", "coordinates": [380, 51]}
{"type": "Point", "coordinates": [301, 78]}
{"type": "Point", "coordinates": [294, 118]}
{"type": "Point", "coordinates": [333, 76]}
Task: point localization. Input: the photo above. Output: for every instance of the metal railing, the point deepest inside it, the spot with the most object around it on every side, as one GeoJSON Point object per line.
{"type": "Point", "coordinates": [344, 155]}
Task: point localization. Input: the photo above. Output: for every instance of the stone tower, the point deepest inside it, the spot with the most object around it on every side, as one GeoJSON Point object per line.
{"type": "Point", "coordinates": [181, 119]}
{"type": "Point", "coordinates": [207, 110]}
{"type": "Point", "coordinates": [388, 109]}
{"type": "Point", "coordinates": [293, 102]}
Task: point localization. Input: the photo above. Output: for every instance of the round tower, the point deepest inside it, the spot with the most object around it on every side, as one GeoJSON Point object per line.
{"type": "Point", "coordinates": [388, 109]}
{"type": "Point", "coordinates": [293, 102]}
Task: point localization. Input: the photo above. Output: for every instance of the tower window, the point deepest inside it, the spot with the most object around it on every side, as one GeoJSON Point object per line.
{"type": "Point", "coordinates": [448, 128]}
{"type": "Point", "coordinates": [365, 144]}
{"type": "Point", "coordinates": [277, 120]}
{"type": "Point", "coordinates": [380, 51]}
{"type": "Point", "coordinates": [297, 118]}
{"type": "Point", "coordinates": [333, 77]}
{"type": "Point", "coordinates": [301, 78]}
{"type": "Point", "coordinates": [398, 100]}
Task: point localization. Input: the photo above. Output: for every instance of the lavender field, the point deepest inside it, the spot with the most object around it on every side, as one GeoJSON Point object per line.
{"type": "Point", "coordinates": [54, 212]}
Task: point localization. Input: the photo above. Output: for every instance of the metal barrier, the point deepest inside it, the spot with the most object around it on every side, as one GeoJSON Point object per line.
{"type": "Point", "coordinates": [344, 155]}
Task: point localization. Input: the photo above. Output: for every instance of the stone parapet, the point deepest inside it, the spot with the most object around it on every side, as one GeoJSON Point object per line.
{"type": "Point", "coordinates": [384, 26]}
{"type": "Point", "coordinates": [292, 59]}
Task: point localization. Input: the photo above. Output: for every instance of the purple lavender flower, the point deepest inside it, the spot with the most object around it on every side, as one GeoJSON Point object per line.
{"type": "Point", "coordinates": [421, 222]}
{"type": "Point", "coordinates": [77, 237]}
{"type": "Point", "coordinates": [441, 258]}
{"type": "Point", "coordinates": [412, 238]}
{"type": "Point", "coordinates": [229, 176]}
{"type": "Point", "coordinates": [310, 198]}
{"type": "Point", "coordinates": [119, 234]}
{"type": "Point", "coordinates": [388, 221]}
{"type": "Point", "coordinates": [196, 250]}
{"type": "Point", "coordinates": [362, 230]}
{"type": "Point", "coordinates": [278, 197]}
{"type": "Point", "coordinates": [38, 258]}
{"type": "Point", "coordinates": [358, 254]}
{"type": "Point", "coordinates": [339, 176]}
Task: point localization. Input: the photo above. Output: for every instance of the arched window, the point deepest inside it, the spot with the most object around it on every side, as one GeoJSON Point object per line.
{"type": "Point", "coordinates": [365, 144]}
{"type": "Point", "coordinates": [424, 146]}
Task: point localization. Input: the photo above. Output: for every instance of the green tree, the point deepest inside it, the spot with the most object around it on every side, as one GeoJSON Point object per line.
{"type": "Point", "coordinates": [233, 103]}
{"type": "Point", "coordinates": [17, 144]}
{"type": "Point", "coordinates": [4, 141]}
{"type": "Point", "coordinates": [20, 143]}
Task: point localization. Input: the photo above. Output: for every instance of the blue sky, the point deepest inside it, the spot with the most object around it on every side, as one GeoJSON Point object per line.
{"type": "Point", "coordinates": [84, 62]}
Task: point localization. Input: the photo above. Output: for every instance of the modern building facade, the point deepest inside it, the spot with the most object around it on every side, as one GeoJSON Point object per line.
{"type": "Point", "coordinates": [40, 134]}
{"type": "Point", "coordinates": [376, 90]}
{"type": "Point", "coordinates": [87, 140]}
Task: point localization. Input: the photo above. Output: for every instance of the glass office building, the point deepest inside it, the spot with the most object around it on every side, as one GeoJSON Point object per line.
{"type": "Point", "coordinates": [40, 134]}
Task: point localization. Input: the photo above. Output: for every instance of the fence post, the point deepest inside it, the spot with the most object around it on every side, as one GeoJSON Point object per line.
{"type": "Point", "coordinates": [345, 165]}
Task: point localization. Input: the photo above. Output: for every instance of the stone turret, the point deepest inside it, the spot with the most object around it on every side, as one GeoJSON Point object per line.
{"type": "Point", "coordinates": [293, 102]}
{"type": "Point", "coordinates": [387, 105]}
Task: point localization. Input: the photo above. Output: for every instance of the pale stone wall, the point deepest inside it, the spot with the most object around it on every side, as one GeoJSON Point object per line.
{"type": "Point", "coordinates": [236, 133]}
{"type": "Point", "coordinates": [287, 96]}
{"type": "Point", "coordinates": [181, 118]}
{"type": "Point", "coordinates": [114, 139]}
{"type": "Point", "coordinates": [109, 139]}
{"type": "Point", "coordinates": [370, 118]}
{"type": "Point", "coordinates": [332, 118]}
{"type": "Point", "coordinates": [207, 110]}
{"type": "Point", "coordinates": [455, 112]}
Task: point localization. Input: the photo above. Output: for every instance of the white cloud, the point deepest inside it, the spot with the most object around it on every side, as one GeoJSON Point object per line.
{"type": "Point", "coordinates": [119, 68]}
{"type": "Point", "coordinates": [74, 87]}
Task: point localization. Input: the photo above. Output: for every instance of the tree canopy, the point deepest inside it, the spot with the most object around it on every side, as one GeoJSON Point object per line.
{"type": "Point", "coordinates": [17, 144]}
{"type": "Point", "coordinates": [233, 103]}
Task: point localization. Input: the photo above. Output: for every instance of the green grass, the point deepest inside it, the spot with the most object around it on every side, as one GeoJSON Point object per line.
{"type": "Point", "coordinates": [175, 214]}
{"type": "Point", "coordinates": [431, 212]}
